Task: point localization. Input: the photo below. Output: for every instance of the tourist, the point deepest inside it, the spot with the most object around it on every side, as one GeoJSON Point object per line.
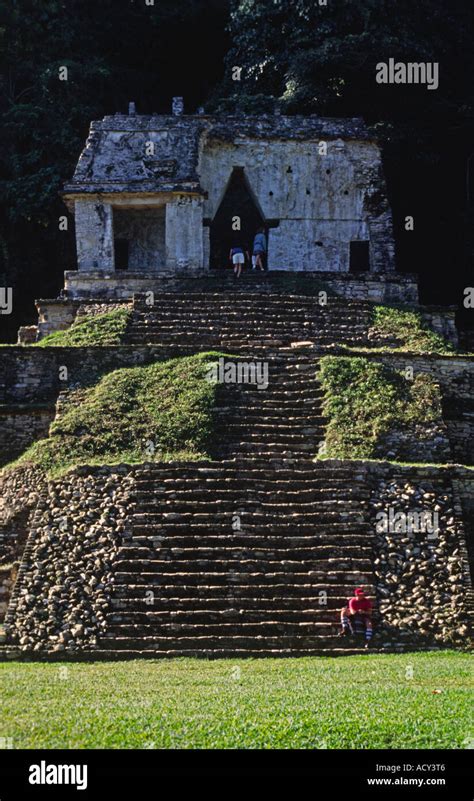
{"type": "Point", "coordinates": [237, 257]}
{"type": "Point", "coordinates": [259, 250]}
{"type": "Point", "coordinates": [356, 616]}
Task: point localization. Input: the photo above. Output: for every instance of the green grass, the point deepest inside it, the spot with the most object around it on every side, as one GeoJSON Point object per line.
{"type": "Point", "coordinates": [352, 702]}
{"type": "Point", "coordinates": [409, 329]}
{"type": "Point", "coordinates": [365, 400]}
{"type": "Point", "coordinates": [100, 330]}
{"type": "Point", "coordinates": [168, 404]}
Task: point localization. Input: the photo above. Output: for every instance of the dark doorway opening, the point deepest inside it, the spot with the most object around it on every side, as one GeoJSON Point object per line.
{"type": "Point", "coordinates": [359, 261]}
{"type": "Point", "coordinates": [121, 254]}
{"type": "Point", "coordinates": [238, 201]}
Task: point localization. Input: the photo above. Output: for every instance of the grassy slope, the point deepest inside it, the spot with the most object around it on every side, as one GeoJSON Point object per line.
{"type": "Point", "coordinates": [351, 702]}
{"type": "Point", "coordinates": [101, 329]}
{"type": "Point", "coordinates": [365, 399]}
{"type": "Point", "coordinates": [409, 329]}
{"type": "Point", "coordinates": [169, 404]}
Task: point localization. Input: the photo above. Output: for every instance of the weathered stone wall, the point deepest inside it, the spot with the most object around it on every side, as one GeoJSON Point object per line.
{"type": "Point", "coordinates": [323, 201]}
{"type": "Point", "coordinates": [421, 442]}
{"type": "Point", "coordinates": [21, 426]}
{"type": "Point", "coordinates": [30, 384]}
{"type": "Point", "coordinates": [30, 374]}
{"type": "Point", "coordinates": [55, 315]}
{"type": "Point", "coordinates": [374, 287]}
{"type": "Point", "coordinates": [442, 321]}
{"type": "Point", "coordinates": [319, 200]}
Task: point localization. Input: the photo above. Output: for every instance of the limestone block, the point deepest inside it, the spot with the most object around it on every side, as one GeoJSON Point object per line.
{"type": "Point", "coordinates": [184, 237]}
{"type": "Point", "coordinates": [94, 235]}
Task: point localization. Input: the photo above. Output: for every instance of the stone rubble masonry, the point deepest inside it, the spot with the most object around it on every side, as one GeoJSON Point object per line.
{"type": "Point", "coordinates": [424, 585]}
{"type": "Point", "coordinates": [21, 491]}
{"type": "Point", "coordinates": [65, 578]}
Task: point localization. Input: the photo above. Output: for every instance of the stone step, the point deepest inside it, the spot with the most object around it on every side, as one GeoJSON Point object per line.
{"type": "Point", "coordinates": [251, 495]}
{"type": "Point", "coordinates": [260, 482]}
{"type": "Point", "coordinates": [283, 404]}
{"type": "Point", "coordinates": [121, 654]}
{"type": "Point", "coordinates": [226, 324]}
{"type": "Point", "coordinates": [312, 505]}
{"type": "Point", "coordinates": [287, 481]}
{"type": "Point", "coordinates": [232, 344]}
{"type": "Point", "coordinates": [234, 562]}
{"type": "Point", "coordinates": [250, 301]}
{"type": "Point", "coordinates": [272, 316]}
{"type": "Point", "coordinates": [178, 528]}
{"type": "Point", "coordinates": [248, 539]}
{"type": "Point", "coordinates": [287, 432]}
{"type": "Point", "coordinates": [212, 519]}
{"type": "Point", "coordinates": [149, 631]}
{"type": "Point", "coordinates": [317, 552]}
{"type": "Point", "coordinates": [257, 489]}
{"type": "Point", "coordinates": [129, 621]}
{"type": "Point", "coordinates": [206, 577]}
{"type": "Point", "coordinates": [269, 450]}
{"type": "Point", "coordinates": [249, 330]}
{"type": "Point", "coordinates": [299, 594]}
{"type": "Point", "coordinates": [230, 643]}
{"type": "Point", "coordinates": [259, 608]}
{"type": "Point", "coordinates": [307, 470]}
{"type": "Point", "coordinates": [275, 307]}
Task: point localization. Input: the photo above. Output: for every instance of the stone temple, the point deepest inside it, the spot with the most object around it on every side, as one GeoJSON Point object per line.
{"type": "Point", "coordinates": [252, 546]}
{"type": "Point", "coordinates": [159, 195]}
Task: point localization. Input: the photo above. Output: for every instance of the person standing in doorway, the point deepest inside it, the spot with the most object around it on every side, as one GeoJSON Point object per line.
{"type": "Point", "coordinates": [259, 250]}
{"type": "Point", "coordinates": [237, 257]}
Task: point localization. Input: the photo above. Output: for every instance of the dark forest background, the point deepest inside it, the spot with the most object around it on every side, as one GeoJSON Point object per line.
{"type": "Point", "coordinates": [312, 59]}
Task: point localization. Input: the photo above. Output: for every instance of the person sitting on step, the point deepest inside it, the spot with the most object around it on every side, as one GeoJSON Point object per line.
{"type": "Point", "coordinates": [356, 617]}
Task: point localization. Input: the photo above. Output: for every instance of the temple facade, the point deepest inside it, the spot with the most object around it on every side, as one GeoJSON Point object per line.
{"type": "Point", "coordinates": [170, 194]}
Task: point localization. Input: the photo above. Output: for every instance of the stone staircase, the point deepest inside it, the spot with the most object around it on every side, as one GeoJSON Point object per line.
{"type": "Point", "coordinates": [241, 321]}
{"type": "Point", "coordinates": [283, 420]}
{"type": "Point", "coordinates": [239, 558]}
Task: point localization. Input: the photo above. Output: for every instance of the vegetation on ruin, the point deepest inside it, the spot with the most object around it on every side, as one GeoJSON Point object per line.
{"type": "Point", "coordinates": [366, 400]}
{"type": "Point", "coordinates": [157, 412]}
{"type": "Point", "coordinates": [407, 329]}
{"type": "Point", "coordinates": [100, 330]}
{"type": "Point", "coordinates": [356, 702]}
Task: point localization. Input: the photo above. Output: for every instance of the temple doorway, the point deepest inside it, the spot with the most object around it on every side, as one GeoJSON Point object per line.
{"type": "Point", "coordinates": [238, 201]}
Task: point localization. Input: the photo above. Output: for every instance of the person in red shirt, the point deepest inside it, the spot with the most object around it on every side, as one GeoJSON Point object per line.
{"type": "Point", "coordinates": [356, 617]}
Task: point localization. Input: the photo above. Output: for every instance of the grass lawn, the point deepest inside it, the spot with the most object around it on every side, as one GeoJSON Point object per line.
{"type": "Point", "coordinates": [353, 702]}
